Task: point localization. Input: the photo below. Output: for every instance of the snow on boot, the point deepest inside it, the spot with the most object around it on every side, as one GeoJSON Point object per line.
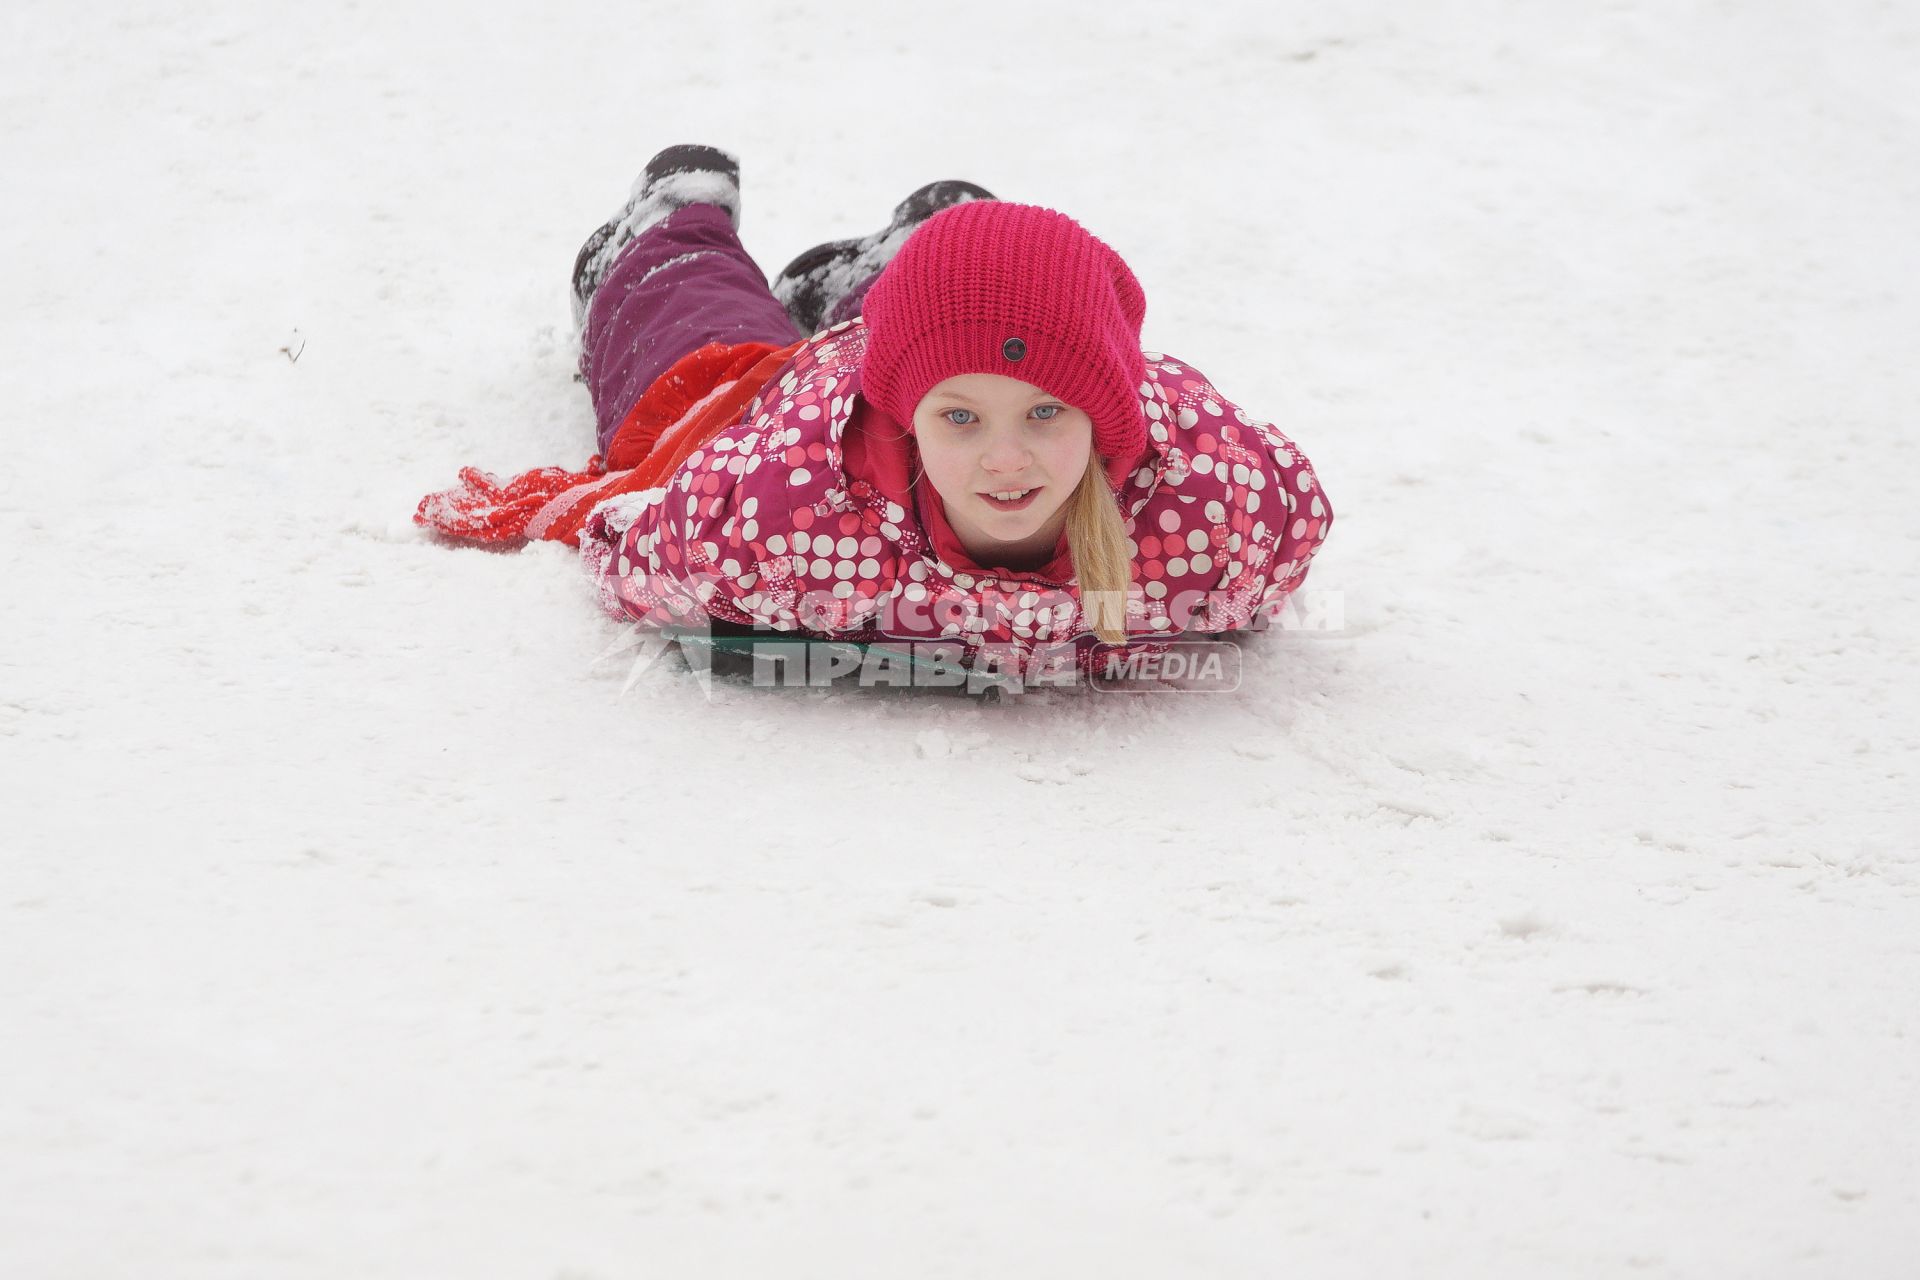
{"type": "Point", "coordinates": [813, 282]}
{"type": "Point", "coordinates": [683, 174]}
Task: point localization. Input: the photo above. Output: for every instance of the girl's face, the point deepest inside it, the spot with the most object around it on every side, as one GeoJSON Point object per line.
{"type": "Point", "coordinates": [980, 434]}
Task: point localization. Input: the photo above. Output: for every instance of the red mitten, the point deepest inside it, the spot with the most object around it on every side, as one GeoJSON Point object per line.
{"type": "Point", "coordinates": [481, 509]}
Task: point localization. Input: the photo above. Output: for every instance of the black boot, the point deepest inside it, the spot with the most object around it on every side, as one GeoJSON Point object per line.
{"type": "Point", "coordinates": [687, 173]}
{"type": "Point", "coordinates": [813, 282]}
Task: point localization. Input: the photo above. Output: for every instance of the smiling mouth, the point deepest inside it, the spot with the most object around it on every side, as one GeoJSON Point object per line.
{"type": "Point", "coordinates": [1022, 501]}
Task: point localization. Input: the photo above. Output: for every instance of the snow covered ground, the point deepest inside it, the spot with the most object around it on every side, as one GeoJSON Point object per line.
{"type": "Point", "coordinates": [1557, 916]}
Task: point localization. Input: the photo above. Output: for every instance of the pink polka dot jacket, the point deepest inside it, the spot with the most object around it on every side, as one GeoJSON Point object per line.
{"type": "Point", "coordinates": [766, 526]}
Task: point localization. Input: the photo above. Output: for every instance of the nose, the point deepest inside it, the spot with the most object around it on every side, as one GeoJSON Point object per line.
{"type": "Point", "coordinates": [1006, 454]}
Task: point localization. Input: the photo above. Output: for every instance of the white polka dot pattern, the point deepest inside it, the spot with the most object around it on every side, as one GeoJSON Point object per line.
{"type": "Point", "coordinates": [763, 525]}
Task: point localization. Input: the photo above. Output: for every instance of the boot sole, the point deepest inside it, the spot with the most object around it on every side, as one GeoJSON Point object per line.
{"type": "Point", "coordinates": [800, 284]}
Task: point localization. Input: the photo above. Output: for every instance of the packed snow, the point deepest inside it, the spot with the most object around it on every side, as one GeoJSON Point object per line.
{"type": "Point", "coordinates": [365, 911]}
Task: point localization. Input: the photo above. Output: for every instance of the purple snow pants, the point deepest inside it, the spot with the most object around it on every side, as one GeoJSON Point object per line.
{"type": "Point", "coordinates": [681, 283]}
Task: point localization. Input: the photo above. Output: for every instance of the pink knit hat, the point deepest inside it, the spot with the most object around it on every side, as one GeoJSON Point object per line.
{"type": "Point", "coordinates": [989, 286]}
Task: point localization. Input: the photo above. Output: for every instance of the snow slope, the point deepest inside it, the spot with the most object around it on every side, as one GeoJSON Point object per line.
{"type": "Point", "coordinates": [1557, 915]}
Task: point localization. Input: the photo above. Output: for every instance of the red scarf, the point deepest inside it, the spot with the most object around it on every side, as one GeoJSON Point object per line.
{"type": "Point", "coordinates": [701, 395]}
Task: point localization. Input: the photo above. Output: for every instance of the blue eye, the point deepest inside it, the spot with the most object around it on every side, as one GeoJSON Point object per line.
{"type": "Point", "coordinates": [1053, 412]}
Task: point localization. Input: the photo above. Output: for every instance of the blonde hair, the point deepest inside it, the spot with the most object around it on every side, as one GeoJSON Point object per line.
{"type": "Point", "coordinates": [1097, 539]}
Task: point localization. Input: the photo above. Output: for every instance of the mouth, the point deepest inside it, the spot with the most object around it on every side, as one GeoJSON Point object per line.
{"type": "Point", "coordinates": [1021, 502]}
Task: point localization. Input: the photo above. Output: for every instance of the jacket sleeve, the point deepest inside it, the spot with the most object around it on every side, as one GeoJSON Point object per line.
{"type": "Point", "coordinates": [1281, 516]}
{"type": "Point", "coordinates": [677, 553]}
